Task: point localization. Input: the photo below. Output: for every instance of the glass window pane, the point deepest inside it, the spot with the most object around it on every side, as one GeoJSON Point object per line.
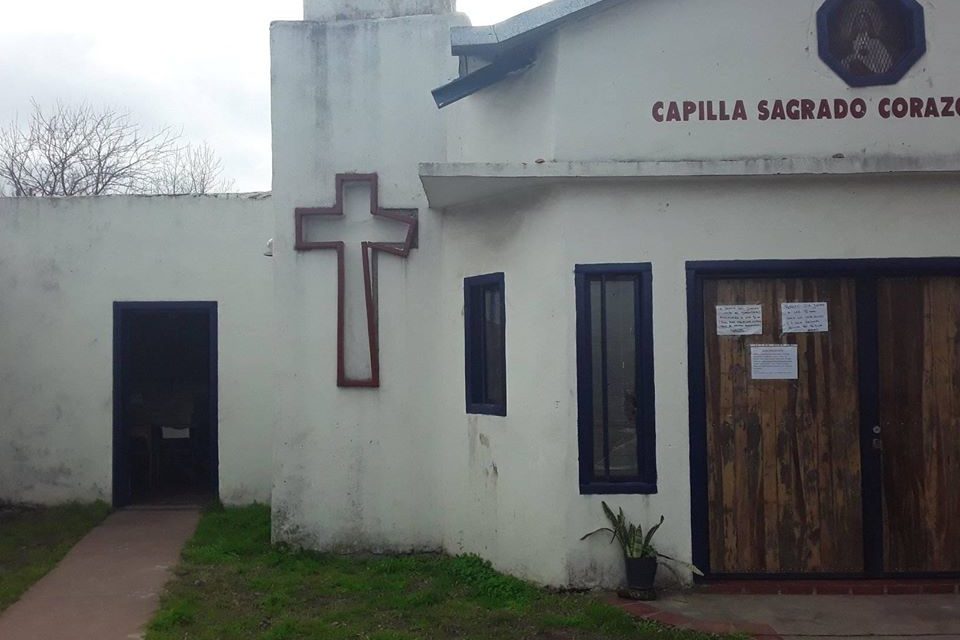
{"type": "Point", "coordinates": [495, 390]}
{"type": "Point", "coordinates": [596, 351]}
{"type": "Point", "coordinates": [622, 375]}
{"type": "Point", "coordinates": [477, 365]}
{"type": "Point", "coordinates": [613, 322]}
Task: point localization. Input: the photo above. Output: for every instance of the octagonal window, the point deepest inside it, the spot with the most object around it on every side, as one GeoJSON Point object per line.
{"type": "Point", "coordinates": [871, 42]}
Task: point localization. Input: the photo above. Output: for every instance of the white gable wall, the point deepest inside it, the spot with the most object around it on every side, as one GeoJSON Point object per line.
{"type": "Point", "coordinates": [595, 83]}
{"type": "Point", "coordinates": [63, 263]}
{"type": "Point", "coordinates": [511, 484]}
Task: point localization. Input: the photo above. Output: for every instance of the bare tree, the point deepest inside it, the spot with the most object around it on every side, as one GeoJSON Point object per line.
{"type": "Point", "coordinates": [81, 151]}
{"type": "Point", "coordinates": [191, 169]}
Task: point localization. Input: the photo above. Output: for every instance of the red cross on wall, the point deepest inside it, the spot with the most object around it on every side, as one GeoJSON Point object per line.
{"type": "Point", "coordinates": [305, 217]}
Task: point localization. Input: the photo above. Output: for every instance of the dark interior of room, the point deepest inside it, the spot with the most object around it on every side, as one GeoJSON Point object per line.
{"type": "Point", "coordinates": [167, 405]}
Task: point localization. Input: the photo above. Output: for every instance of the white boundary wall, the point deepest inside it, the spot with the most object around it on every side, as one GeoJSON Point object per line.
{"type": "Point", "coordinates": [63, 263]}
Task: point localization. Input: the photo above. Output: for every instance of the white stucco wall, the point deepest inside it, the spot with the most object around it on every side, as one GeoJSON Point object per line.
{"type": "Point", "coordinates": [510, 485]}
{"type": "Point", "coordinates": [324, 10]}
{"type": "Point", "coordinates": [511, 488]}
{"type": "Point", "coordinates": [405, 467]}
{"type": "Point", "coordinates": [63, 263]}
{"type": "Point", "coordinates": [357, 468]}
{"type": "Point", "coordinates": [591, 92]}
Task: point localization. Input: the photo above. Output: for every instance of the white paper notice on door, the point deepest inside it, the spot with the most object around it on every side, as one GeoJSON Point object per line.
{"type": "Point", "coordinates": [739, 320]}
{"type": "Point", "coordinates": [805, 317]}
{"type": "Point", "coordinates": [774, 362]}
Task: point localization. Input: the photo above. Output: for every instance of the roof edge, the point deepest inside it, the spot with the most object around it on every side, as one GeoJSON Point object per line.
{"type": "Point", "coordinates": [524, 27]}
{"type": "Point", "coordinates": [454, 184]}
{"type": "Point", "coordinates": [471, 83]}
{"type": "Point", "coordinates": [511, 45]}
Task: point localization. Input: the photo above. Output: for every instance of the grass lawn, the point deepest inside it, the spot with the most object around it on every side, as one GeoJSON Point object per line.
{"type": "Point", "coordinates": [34, 540]}
{"type": "Point", "coordinates": [233, 584]}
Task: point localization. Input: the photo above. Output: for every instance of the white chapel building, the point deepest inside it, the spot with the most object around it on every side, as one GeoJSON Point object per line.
{"type": "Point", "coordinates": [691, 258]}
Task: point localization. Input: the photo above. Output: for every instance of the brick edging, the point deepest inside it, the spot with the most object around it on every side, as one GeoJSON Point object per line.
{"type": "Point", "coordinates": [649, 611]}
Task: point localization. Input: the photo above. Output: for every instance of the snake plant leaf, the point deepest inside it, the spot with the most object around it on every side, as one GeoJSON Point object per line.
{"type": "Point", "coordinates": [607, 511]}
{"type": "Point", "coordinates": [601, 530]}
{"type": "Point", "coordinates": [651, 532]}
{"type": "Point", "coordinates": [692, 568]}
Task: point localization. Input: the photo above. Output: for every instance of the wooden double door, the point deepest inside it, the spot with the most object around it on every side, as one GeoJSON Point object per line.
{"type": "Point", "coordinates": [850, 466]}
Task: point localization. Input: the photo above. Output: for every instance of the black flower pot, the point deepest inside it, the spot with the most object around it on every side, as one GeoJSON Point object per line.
{"type": "Point", "coordinates": [641, 573]}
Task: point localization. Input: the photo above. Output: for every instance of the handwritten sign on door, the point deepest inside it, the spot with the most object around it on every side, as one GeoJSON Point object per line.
{"type": "Point", "coordinates": [739, 320]}
{"type": "Point", "coordinates": [805, 317]}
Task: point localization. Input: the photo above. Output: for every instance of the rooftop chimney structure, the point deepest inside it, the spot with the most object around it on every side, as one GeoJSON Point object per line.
{"type": "Point", "coordinates": [336, 10]}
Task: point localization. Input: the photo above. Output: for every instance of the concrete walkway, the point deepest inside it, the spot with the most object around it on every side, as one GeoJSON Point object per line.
{"type": "Point", "coordinates": [108, 586]}
{"type": "Point", "coordinates": [887, 617]}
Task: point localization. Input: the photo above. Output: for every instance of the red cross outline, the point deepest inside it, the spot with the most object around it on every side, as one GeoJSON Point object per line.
{"type": "Point", "coordinates": [369, 250]}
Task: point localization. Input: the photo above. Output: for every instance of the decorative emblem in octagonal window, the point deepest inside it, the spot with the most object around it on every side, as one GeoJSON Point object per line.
{"type": "Point", "coordinates": [871, 42]}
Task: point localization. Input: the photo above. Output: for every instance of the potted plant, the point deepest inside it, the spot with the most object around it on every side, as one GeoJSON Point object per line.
{"type": "Point", "coordinates": [641, 557]}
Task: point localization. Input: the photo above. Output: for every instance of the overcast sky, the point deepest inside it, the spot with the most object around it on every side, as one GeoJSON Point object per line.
{"type": "Point", "coordinates": [197, 65]}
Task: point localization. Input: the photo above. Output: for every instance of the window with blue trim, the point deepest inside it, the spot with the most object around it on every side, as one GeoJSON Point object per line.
{"type": "Point", "coordinates": [615, 379]}
{"type": "Point", "coordinates": [485, 325]}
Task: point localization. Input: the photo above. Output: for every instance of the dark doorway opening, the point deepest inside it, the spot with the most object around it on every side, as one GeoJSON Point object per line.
{"type": "Point", "coordinates": [165, 403]}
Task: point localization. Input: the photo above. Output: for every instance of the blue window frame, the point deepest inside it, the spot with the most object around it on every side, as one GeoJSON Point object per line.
{"type": "Point", "coordinates": [485, 329]}
{"type": "Point", "coordinates": [615, 387]}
